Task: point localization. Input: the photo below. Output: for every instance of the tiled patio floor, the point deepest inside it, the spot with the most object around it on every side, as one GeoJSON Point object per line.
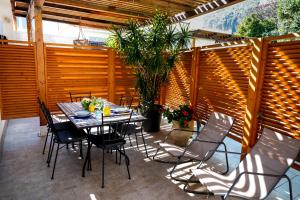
{"type": "Point", "coordinates": [24, 174]}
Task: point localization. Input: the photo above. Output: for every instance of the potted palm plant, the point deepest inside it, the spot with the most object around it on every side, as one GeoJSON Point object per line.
{"type": "Point", "coordinates": [152, 50]}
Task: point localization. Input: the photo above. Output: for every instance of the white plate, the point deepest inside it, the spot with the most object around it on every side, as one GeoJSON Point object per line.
{"type": "Point", "coordinates": [82, 113]}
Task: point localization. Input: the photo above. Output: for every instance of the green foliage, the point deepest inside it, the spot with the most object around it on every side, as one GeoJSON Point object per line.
{"type": "Point", "coordinates": [111, 42]}
{"type": "Point", "coordinates": [183, 114]}
{"type": "Point", "coordinates": [286, 21]}
{"type": "Point", "coordinates": [252, 26]}
{"type": "Point", "coordinates": [288, 13]}
{"type": "Point", "coordinates": [152, 50]}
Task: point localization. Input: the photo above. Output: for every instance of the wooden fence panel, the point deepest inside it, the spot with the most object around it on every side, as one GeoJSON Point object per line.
{"type": "Point", "coordinates": [77, 70]}
{"type": "Point", "coordinates": [223, 84]}
{"type": "Point", "coordinates": [18, 81]}
{"type": "Point", "coordinates": [177, 90]}
{"type": "Point", "coordinates": [280, 104]}
{"type": "Point", "coordinates": [124, 81]}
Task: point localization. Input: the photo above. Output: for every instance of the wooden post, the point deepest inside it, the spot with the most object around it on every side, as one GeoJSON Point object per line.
{"type": "Point", "coordinates": [258, 62]}
{"type": "Point", "coordinates": [111, 75]}
{"type": "Point", "coordinates": [194, 77]}
{"type": "Point", "coordinates": [193, 42]}
{"type": "Point", "coordinates": [29, 33]}
{"type": "Point", "coordinates": [40, 57]}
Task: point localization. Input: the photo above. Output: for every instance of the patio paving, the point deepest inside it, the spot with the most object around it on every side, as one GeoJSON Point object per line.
{"type": "Point", "coordinates": [24, 174]}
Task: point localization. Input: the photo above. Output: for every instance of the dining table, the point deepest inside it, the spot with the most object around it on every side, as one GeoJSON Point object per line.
{"type": "Point", "coordinates": [94, 120]}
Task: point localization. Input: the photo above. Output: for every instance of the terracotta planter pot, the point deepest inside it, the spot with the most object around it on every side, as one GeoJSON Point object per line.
{"type": "Point", "coordinates": [181, 138]}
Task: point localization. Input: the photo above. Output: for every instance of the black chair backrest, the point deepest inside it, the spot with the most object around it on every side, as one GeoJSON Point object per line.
{"type": "Point", "coordinates": [42, 107]}
{"type": "Point", "coordinates": [116, 129]}
{"type": "Point", "coordinates": [78, 96]}
{"type": "Point", "coordinates": [126, 101]}
{"type": "Point", "coordinates": [39, 102]}
{"type": "Point", "coordinates": [49, 118]}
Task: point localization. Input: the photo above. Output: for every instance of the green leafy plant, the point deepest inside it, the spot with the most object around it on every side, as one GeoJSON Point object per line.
{"type": "Point", "coordinates": [252, 26]}
{"type": "Point", "coordinates": [288, 13]}
{"type": "Point", "coordinates": [152, 49]}
{"type": "Point", "coordinates": [183, 115]}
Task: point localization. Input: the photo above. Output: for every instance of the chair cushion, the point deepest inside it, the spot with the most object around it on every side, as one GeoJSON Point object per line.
{"type": "Point", "coordinates": [63, 125]}
{"type": "Point", "coordinates": [68, 136]}
{"type": "Point", "coordinates": [106, 140]}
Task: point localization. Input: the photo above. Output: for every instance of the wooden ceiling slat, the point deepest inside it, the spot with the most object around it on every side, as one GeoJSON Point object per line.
{"type": "Point", "coordinates": [85, 15]}
{"type": "Point", "coordinates": [120, 11]}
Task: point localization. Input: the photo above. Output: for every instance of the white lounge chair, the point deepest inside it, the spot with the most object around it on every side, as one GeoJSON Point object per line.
{"type": "Point", "coordinates": [209, 138]}
{"type": "Point", "coordinates": [257, 174]}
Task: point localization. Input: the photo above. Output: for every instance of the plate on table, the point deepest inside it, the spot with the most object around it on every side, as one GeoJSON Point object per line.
{"type": "Point", "coordinates": [120, 110]}
{"type": "Point", "coordinates": [82, 114]}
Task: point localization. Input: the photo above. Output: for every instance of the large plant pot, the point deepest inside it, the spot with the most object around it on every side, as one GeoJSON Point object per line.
{"type": "Point", "coordinates": [152, 123]}
{"type": "Point", "coordinates": [181, 138]}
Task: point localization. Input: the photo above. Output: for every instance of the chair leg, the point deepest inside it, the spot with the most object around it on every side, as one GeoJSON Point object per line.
{"type": "Point", "coordinates": [127, 163]}
{"type": "Point", "coordinates": [80, 146]}
{"type": "Point", "coordinates": [142, 132]}
{"type": "Point", "coordinates": [116, 156]}
{"type": "Point", "coordinates": [73, 146]}
{"type": "Point", "coordinates": [136, 140]}
{"type": "Point", "coordinates": [103, 168]}
{"type": "Point", "coordinates": [50, 154]}
{"type": "Point", "coordinates": [45, 144]}
{"type": "Point", "coordinates": [57, 149]}
{"type": "Point", "coordinates": [67, 146]}
{"type": "Point", "coordinates": [290, 186]}
{"type": "Point", "coordinates": [50, 146]}
{"type": "Point", "coordinates": [87, 157]}
{"type": "Point", "coordinates": [130, 140]}
{"type": "Point", "coordinates": [156, 153]}
{"type": "Point", "coordinates": [120, 156]}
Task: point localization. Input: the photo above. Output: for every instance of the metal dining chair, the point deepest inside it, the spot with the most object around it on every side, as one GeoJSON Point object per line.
{"type": "Point", "coordinates": [78, 96]}
{"type": "Point", "coordinates": [126, 101]}
{"type": "Point", "coordinates": [109, 138]}
{"type": "Point", "coordinates": [62, 137]}
{"type": "Point", "coordinates": [58, 125]}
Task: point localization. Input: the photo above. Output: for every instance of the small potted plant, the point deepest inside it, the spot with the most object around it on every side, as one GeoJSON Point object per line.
{"type": "Point", "coordinates": [182, 118]}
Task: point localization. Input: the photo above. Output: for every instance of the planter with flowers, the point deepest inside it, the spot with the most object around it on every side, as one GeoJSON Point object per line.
{"type": "Point", "coordinates": [93, 103]}
{"type": "Point", "coordinates": [182, 118]}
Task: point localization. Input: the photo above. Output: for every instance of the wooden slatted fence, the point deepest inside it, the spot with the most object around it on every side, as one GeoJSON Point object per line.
{"type": "Point", "coordinates": [124, 81]}
{"type": "Point", "coordinates": [18, 80]}
{"type": "Point", "coordinates": [75, 70]}
{"type": "Point", "coordinates": [177, 90]}
{"type": "Point", "coordinates": [280, 104]}
{"type": "Point", "coordinates": [223, 84]}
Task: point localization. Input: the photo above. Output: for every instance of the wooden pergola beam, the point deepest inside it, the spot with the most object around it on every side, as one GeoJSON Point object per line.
{"type": "Point", "coordinates": [204, 8]}
{"type": "Point", "coordinates": [91, 6]}
{"type": "Point", "coordinates": [83, 15]}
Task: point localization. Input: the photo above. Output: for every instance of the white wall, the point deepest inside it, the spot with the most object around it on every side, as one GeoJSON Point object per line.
{"type": "Point", "coordinates": [6, 20]}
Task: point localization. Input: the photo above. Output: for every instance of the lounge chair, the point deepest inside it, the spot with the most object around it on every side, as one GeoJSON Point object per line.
{"type": "Point", "coordinates": [209, 138]}
{"type": "Point", "coordinates": [257, 174]}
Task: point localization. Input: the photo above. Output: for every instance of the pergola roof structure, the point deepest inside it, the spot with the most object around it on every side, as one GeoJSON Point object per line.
{"type": "Point", "coordinates": [104, 13]}
{"type": "Point", "coordinates": [218, 37]}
